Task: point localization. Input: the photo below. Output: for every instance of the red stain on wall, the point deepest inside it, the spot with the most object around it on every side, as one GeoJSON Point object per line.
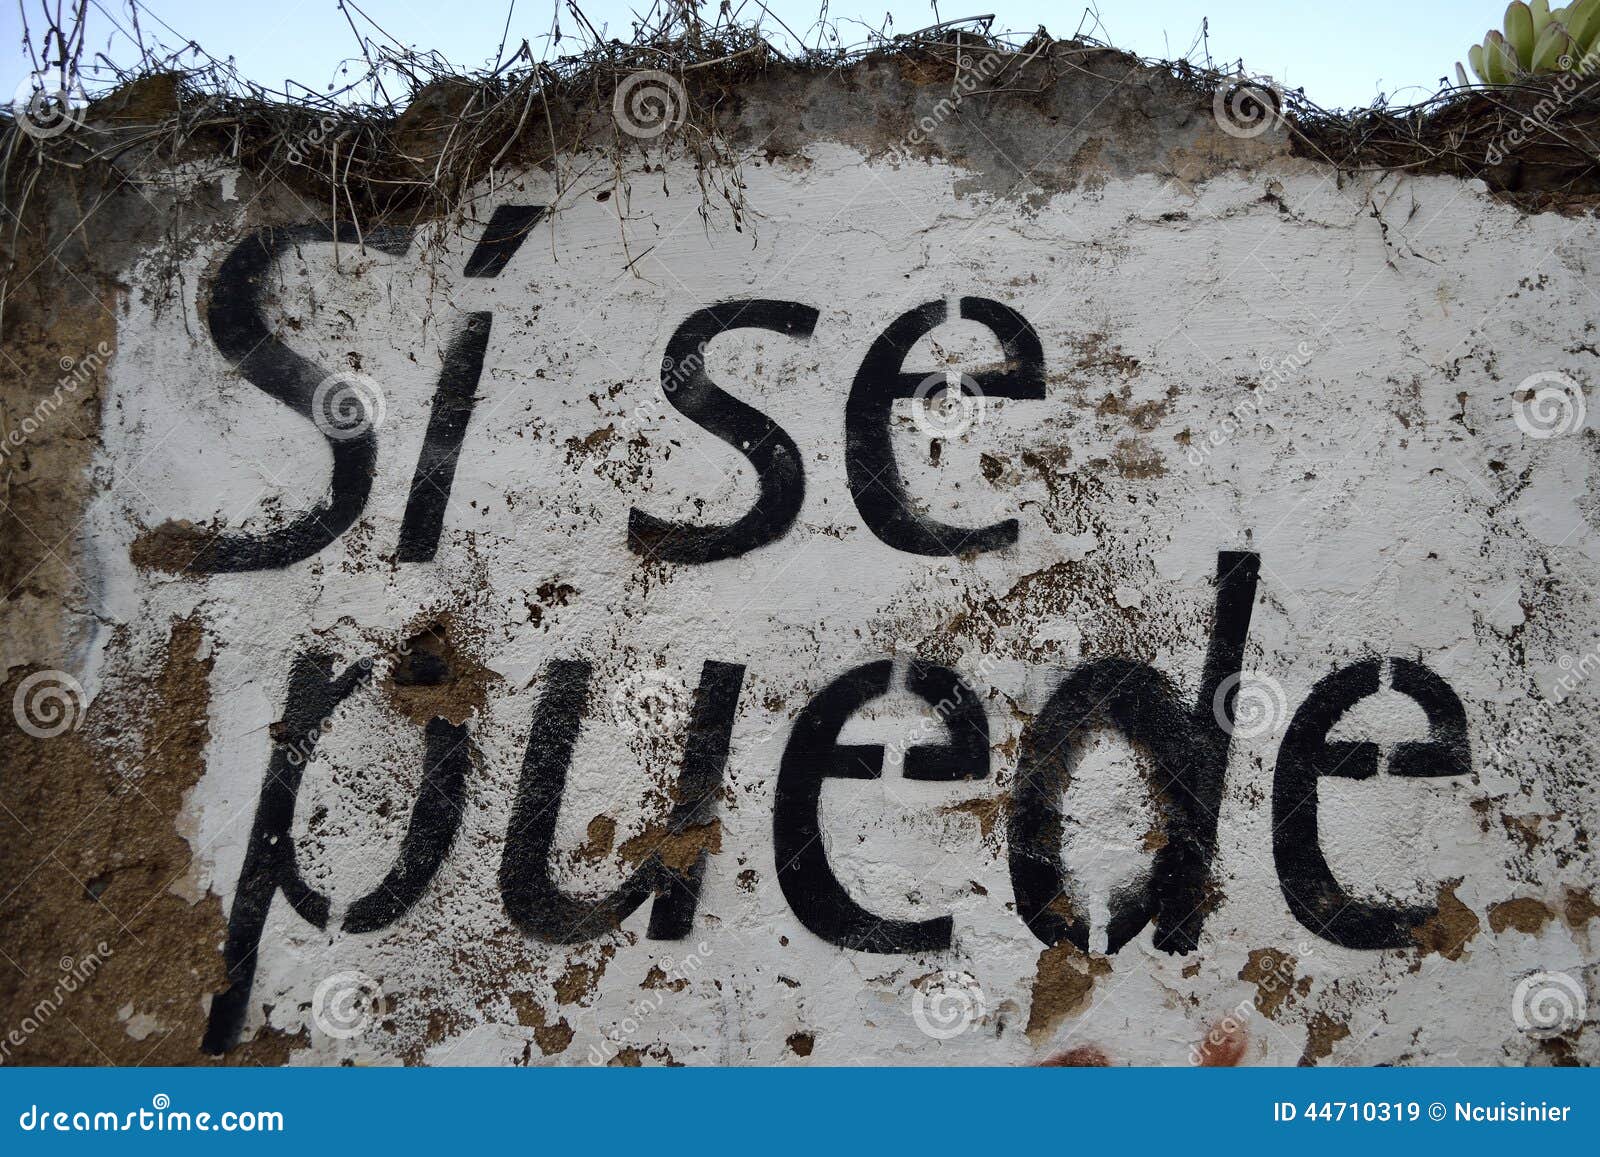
{"type": "Point", "coordinates": [1223, 1046]}
{"type": "Point", "coordinates": [1079, 1056]}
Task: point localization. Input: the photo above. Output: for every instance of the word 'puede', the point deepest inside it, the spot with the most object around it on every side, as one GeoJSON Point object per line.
{"type": "Point", "coordinates": [1189, 741]}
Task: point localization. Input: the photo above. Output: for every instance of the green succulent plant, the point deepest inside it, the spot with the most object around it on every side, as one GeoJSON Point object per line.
{"type": "Point", "coordinates": [1536, 39]}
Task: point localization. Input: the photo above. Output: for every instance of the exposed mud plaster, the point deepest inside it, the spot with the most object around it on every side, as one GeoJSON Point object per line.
{"type": "Point", "coordinates": [1062, 987]}
{"type": "Point", "coordinates": [1449, 931]}
{"type": "Point", "coordinates": [1322, 1034]}
{"type": "Point", "coordinates": [1579, 909]}
{"type": "Point", "coordinates": [431, 675]}
{"type": "Point", "coordinates": [1273, 974]}
{"type": "Point", "coordinates": [1525, 915]}
{"type": "Point", "coordinates": [551, 1038]}
{"type": "Point", "coordinates": [99, 804]}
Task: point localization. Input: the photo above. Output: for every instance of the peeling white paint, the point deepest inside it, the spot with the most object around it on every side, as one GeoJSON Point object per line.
{"type": "Point", "coordinates": [1397, 507]}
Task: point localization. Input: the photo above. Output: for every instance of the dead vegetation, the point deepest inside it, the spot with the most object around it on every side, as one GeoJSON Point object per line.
{"type": "Point", "coordinates": [407, 135]}
{"type": "Point", "coordinates": [1536, 142]}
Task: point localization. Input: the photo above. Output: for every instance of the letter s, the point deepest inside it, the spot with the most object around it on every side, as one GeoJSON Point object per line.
{"type": "Point", "coordinates": [761, 440]}
{"type": "Point", "coordinates": [242, 336]}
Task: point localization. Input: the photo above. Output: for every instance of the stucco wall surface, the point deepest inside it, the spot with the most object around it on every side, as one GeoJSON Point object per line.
{"type": "Point", "coordinates": [1263, 734]}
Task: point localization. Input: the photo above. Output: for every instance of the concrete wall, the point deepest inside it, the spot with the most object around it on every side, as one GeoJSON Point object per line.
{"type": "Point", "coordinates": [486, 617]}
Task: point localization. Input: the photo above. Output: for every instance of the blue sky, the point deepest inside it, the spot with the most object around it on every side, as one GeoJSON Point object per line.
{"type": "Point", "coordinates": [1343, 54]}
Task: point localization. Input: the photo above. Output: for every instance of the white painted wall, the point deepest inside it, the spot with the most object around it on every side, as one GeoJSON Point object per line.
{"type": "Point", "coordinates": [1398, 507]}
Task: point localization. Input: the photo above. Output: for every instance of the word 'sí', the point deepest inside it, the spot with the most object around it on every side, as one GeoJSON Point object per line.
{"type": "Point", "coordinates": [240, 329]}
